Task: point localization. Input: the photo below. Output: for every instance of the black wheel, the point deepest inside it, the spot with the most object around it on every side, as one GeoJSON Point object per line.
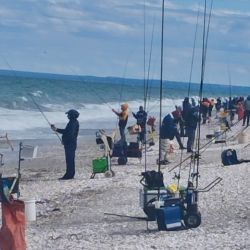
{"type": "Point", "coordinates": [192, 220]}
{"type": "Point", "coordinates": [122, 160]}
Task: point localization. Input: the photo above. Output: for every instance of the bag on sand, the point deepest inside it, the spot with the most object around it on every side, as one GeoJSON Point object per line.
{"type": "Point", "coordinates": [152, 179]}
{"type": "Point", "coordinates": [229, 157]}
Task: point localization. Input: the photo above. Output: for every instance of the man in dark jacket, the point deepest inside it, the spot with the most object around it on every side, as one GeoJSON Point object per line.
{"type": "Point", "coordinates": [191, 125]}
{"type": "Point", "coordinates": [167, 132]}
{"type": "Point", "coordinates": [141, 118]}
{"type": "Point", "coordinates": [69, 140]}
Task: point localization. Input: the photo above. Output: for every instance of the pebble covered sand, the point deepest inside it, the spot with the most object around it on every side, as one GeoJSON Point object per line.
{"type": "Point", "coordinates": [70, 214]}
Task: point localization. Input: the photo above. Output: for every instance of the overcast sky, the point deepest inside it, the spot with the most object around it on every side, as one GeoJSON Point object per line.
{"type": "Point", "coordinates": [106, 38]}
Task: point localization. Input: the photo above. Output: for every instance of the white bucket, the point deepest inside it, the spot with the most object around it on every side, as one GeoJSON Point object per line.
{"type": "Point", "coordinates": [30, 209]}
{"type": "Point", "coordinates": [242, 138]}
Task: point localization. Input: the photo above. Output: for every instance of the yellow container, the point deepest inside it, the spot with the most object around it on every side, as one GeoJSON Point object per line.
{"type": "Point", "coordinates": [172, 188]}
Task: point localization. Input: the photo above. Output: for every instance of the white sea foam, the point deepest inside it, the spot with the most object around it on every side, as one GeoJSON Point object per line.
{"type": "Point", "coordinates": [92, 116]}
{"type": "Point", "coordinates": [37, 93]}
{"type": "Point", "coordinates": [23, 98]}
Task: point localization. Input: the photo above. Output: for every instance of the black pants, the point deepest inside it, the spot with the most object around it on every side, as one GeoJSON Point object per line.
{"type": "Point", "coordinates": [246, 117]}
{"type": "Point", "coordinates": [70, 160]}
{"type": "Point", "coordinates": [122, 133]}
{"type": "Point", "coordinates": [191, 137]}
{"type": "Point", "coordinates": [142, 134]}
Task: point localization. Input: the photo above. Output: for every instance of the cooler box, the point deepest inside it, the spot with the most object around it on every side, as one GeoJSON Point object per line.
{"type": "Point", "coordinates": [169, 216]}
{"type": "Point", "coordinates": [100, 165]}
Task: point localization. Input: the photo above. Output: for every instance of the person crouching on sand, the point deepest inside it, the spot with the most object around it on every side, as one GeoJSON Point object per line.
{"type": "Point", "coordinates": [69, 140]}
{"type": "Point", "coordinates": [123, 119]}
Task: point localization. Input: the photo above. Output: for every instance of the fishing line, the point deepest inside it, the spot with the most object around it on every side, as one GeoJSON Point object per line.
{"type": "Point", "coordinates": [146, 82]}
{"type": "Point", "coordinates": [89, 88]}
{"type": "Point", "coordinates": [38, 107]}
{"type": "Point", "coordinates": [146, 96]}
{"type": "Point", "coordinates": [44, 116]}
{"type": "Point", "coordinates": [193, 52]}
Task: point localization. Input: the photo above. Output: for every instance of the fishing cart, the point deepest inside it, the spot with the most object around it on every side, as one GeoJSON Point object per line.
{"type": "Point", "coordinates": [171, 207]}
{"type": "Point", "coordinates": [103, 164]}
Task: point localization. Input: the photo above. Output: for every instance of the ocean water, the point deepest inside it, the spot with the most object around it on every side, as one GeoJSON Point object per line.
{"type": "Point", "coordinates": [93, 97]}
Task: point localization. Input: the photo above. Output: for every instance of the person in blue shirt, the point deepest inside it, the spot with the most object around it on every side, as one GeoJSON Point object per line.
{"type": "Point", "coordinates": [141, 118]}
{"type": "Point", "coordinates": [168, 131]}
{"type": "Point", "coordinates": [69, 140]}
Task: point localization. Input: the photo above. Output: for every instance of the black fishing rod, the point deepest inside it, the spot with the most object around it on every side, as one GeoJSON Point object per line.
{"type": "Point", "coordinates": [127, 216]}
{"type": "Point", "coordinates": [204, 147]}
{"type": "Point", "coordinates": [193, 52]}
{"type": "Point", "coordinates": [146, 82]}
{"type": "Point", "coordinates": [161, 85]}
{"type": "Point", "coordinates": [44, 116]}
{"type": "Point", "coordinates": [38, 107]}
{"type": "Point", "coordinates": [146, 95]}
{"type": "Point", "coordinates": [190, 77]}
{"type": "Point", "coordinates": [99, 96]}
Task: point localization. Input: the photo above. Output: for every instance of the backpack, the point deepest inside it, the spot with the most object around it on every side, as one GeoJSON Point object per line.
{"type": "Point", "coordinates": [152, 179]}
{"type": "Point", "coordinates": [229, 157]}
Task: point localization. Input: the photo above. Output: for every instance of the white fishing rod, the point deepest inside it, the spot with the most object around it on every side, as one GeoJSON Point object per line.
{"type": "Point", "coordinates": [44, 116]}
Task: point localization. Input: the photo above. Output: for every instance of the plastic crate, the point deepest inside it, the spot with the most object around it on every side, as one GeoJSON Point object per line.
{"type": "Point", "coordinates": [100, 165]}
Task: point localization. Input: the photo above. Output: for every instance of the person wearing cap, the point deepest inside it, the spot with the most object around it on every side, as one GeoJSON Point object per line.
{"type": "Point", "coordinates": [69, 140]}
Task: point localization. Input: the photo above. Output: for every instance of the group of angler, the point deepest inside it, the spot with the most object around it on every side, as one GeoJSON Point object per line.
{"type": "Point", "coordinates": [187, 117]}
{"type": "Point", "coordinates": [182, 122]}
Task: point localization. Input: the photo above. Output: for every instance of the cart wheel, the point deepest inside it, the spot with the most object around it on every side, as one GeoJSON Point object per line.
{"type": "Point", "coordinates": [122, 160]}
{"type": "Point", "coordinates": [109, 173]}
{"type": "Point", "coordinates": [192, 220]}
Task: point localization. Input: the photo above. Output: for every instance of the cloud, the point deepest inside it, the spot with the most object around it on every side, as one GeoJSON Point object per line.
{"type": "Point", "coordinates": [62, 1]}
{"type": "Point", "coordinates": [64, 13]}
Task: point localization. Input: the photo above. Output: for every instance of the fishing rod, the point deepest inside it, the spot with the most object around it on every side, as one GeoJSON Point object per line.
{"type": "Point", "coordinates": [146, 95]}
{"type": "Point", "coordinates": [205, 146]}
{"type": "Point", "coordinates": [189, 84]}
{"type": "Point", "coordinates": [44, 116]}
{"type": "Point", "coordinates": [193, 52]}
{"type": "Point", "coordinates": [161, 85]}
{"type": "Point", "coordinates": [196, 158]}
{"type": "Point", "coordinates": [146, 82]}
{"type": "Point", "coordinates": [38, 107]}
{"type": "Point", "coordinates": [99, 96]}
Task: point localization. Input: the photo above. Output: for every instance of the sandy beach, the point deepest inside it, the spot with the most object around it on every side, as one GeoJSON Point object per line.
{"type": "Point", "coordinates": [70, 214]}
